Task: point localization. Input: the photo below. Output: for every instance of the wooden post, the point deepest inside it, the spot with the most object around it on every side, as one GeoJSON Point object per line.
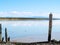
{"type": "Point", "coordinates": [2, 39]}
{"type": "Point", "coordinates": [0, 33]}
{"type": "Point", "coordinates": [6, 35]}
{"type": "Point", "coordinates": [50, 27]}
{"type": "Point", "coordinates": [8, 39]}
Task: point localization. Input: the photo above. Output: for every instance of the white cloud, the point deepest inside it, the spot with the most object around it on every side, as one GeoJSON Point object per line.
{"type": "Point", "coordinates": [3, 13]}
{"type": "Point", "coordinates": [28, 14]}
{"type": "Point", "coordinates": [20, 13]}
{"type": "Point", "coordinates": [56, 15]}
{"type": "Point", "coordinates": [16, 12]}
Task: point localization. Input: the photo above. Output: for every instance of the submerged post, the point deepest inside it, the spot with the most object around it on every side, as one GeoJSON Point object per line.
{"type": "Point", "coordinates": [8, 39]}
{"type": "Point", "coordinates": [50, 27]}
{"type": "Point", "coordinates": [0, 33]}
{"type": "Point", "coordinates": [2, 39]}
{"type": "Point", "coordinates": [6, 35]}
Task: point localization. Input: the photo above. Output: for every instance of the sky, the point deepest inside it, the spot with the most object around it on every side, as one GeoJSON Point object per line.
{"type": "Point", "coordinates": [30, 30]}
{"type": "Point", "coordinates": [27, 8]}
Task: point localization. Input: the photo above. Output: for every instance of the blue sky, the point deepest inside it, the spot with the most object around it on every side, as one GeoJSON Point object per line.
{"type": "Point", "coordinates": [28, 30]}
{"type": "Point", "coordinates": [25, 8]}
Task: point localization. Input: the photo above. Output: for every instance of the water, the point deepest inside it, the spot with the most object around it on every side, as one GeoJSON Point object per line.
{"type": "Point", "coordinates": [32, 30]}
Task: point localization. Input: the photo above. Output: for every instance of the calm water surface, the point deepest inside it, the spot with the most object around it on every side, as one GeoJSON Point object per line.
{"type": "Point", "coordinates": [36, 30]}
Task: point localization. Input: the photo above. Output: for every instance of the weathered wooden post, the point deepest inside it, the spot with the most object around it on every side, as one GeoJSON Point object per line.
{"type": "Point", "coordinates": [8, 39]}
{"type": "Point", "coordinates": [6, 34]}
{"type": "Point", "coordinates": [0, 33]}
{"type": "Point", "coordinates": [50, 27]}
{"type": "Point", "coordinates": [2, 39]}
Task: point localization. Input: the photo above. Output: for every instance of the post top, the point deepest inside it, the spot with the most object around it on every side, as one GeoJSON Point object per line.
{"type": "Point", "coordinates": [50, 14]}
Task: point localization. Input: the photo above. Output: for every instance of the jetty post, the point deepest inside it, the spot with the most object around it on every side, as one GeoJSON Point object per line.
{"type": "Point", "coordinates": [50, 27]}
{"type": "Point", "coordinates": [0, 33]}
{"type": "Point", "coordinates": [6, 35]}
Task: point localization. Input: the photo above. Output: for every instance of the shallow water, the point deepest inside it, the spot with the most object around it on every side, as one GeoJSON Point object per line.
{"type": "Point", "coordinates": [36, 30]}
